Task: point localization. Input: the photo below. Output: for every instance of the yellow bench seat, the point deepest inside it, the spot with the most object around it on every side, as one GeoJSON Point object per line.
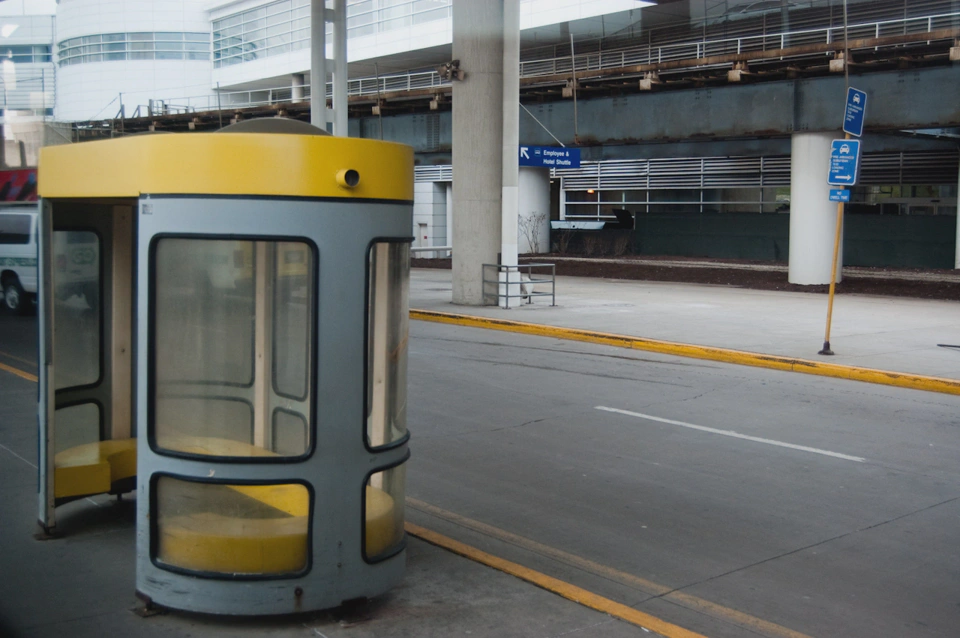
{"type": "Point", "coordinates": [242, 541]}
{"type": "Point", "coordinates": [94, 468]}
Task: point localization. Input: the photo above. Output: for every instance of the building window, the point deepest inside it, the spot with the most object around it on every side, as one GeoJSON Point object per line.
{"type": "Point", "coordinates": [281, 27]}
{"type": "Point", "coordinates": [30, 54]}
{"type": "Point", "coordinates": [110, 47]}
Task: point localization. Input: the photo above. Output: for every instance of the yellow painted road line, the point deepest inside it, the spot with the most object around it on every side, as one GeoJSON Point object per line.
{"type": "Point", "coordinates": [19, 373]}
{"type": "Point", "coordinates": [724, 355]}
{"type": "Point", "coordinates": [555, 585]}
{"type": "Point", "coordinates": [16, 358]}
{"type": "Point", "coordinates": [693, 603]}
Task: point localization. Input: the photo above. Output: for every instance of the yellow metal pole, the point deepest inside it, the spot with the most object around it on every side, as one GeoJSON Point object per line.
{"type": "Point", "coordinates": [833, 274]}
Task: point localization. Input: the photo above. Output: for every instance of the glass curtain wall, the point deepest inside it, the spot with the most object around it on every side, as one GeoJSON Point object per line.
{"type": "Point", "coordinates": [281, 27]}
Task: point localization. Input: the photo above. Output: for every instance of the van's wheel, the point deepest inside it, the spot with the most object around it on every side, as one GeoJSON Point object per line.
{"type": "Point", "coordinates": [13, 297]}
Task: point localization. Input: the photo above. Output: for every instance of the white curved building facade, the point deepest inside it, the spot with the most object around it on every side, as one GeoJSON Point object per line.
{"type": "Point", "coordinates": [150, 52]}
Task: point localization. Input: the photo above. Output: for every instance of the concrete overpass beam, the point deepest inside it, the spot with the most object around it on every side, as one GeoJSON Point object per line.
{"type": "Point", "coordinates": [813, 217]}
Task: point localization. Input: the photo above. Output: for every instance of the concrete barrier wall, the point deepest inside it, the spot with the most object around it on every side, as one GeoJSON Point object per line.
{"type": "Point", "coordinates": [919, 241]}
{"type": "Point", "coordinates": [870, 240]}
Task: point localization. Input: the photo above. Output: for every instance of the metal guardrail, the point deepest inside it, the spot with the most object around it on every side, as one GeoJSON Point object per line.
{"type": "Point", "coordinates": [526, 287]}
{"type": "Point", "coordinates": [433, 249]}
{"type": "Point", "coordinates": [592, 61]}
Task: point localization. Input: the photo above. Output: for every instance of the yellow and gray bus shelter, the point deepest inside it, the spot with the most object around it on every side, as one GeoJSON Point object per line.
{"type": "Point", "coordinates": [224, 328]}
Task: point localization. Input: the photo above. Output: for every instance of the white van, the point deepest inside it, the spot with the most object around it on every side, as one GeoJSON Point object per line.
{"type": "Point", "coordinates": [18, 257]}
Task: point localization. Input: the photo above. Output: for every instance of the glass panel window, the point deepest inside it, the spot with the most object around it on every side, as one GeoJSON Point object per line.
{"type": "Point", "coordinates": [249, 530]}
{"type": "Point", "coordinates": [15, 229]}
{"type": "Point", "coordinates": [387, 339]}
{"type": "Point", "coordinates": [129, 46]}
{"type": "Point", "coordinates": [232, 343]}
{"type": "Point", "coordinates": [582, 196]}
{"type": "Point", "coordinates": [293, 319]}
{"type": "Point", "coordinates": [77, 425]}
{"type": "Point", "coordinates": [76, 278]}
{"type": "Point", "coordinates": [383, 512]}
{"type": "Point", "coordinates": [277, 7]}
{"type": "Point", "coordinates": [290, 434]}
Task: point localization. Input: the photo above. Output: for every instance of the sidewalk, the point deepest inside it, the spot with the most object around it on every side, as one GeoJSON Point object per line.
{"type": "Point", "coordinates": [895, 334]}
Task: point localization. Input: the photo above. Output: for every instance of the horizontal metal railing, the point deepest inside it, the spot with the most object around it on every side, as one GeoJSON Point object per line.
{"type": "Point", "coordinates": [447, 251]}
{"type": "Point", "coordinates": [591, 61]}
{"type": "Point", "coordinates": [509, 283]}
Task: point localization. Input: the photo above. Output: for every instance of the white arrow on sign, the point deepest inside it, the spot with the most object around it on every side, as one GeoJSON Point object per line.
{"type": "Point", "coordinates": [842, 176]}
{"type": "Point", "coordinates": [523, 152]}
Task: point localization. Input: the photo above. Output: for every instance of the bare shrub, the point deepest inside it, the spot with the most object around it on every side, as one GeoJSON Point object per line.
{"type": "Point", "coordinates": [620, 245]}
{"type": "Point", "coordinates": [591, 244]}
{"type": "Point", "coordinates": [564, 237]}
{"type": "Point", "coordinates": [529, 228]}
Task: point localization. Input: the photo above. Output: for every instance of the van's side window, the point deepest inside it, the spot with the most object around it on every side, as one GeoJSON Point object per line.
{"type": "Point", "coordinates": [15, 229]}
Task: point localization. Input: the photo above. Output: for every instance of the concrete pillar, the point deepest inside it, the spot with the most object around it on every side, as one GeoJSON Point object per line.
{"type": "Point", "coordinates": [956, 250]}
{"type": "Point", "coordinates": [477, 144]}
{"type": "Point", "coordinates": [340, 68]}
{"type": "Point", "coordinates": [534, 214]}
{"type": "Point", "coordinates": [448, 198]}
{"type": "Point", "coordinates": [813, 217]}
{"type": "Point", "coordinates": [511, 131]}
{"type": "Point", "coordinates": [510, 194]}
{"type": "Point", "coordinates": [318, 63]}
{"type": "Point", "coordinates": [296, 87]}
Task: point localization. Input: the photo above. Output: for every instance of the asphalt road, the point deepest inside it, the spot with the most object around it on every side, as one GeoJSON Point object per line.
{"type": "Point", "coordinates": [835, 511]}
{"type": "Point", "coordinates": [856, 536]}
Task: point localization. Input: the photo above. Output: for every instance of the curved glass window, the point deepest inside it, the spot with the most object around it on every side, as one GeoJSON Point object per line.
{"type": "Point", "coordinates": [231, 530]}
{"type": "Point", "coordinates": [388, 332]}
{"type": "Point", "coordinates": [232, 347]}
{"type": "Point", "coordinates": [77, 322]}
{"type": "Point", "coordinates": [383, 521]}
{"type": "Point", "coordinates": [109, 47]}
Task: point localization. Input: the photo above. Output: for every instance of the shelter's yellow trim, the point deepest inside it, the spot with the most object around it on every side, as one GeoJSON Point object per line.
{"type": "Point", "coordinates": [265, 164]}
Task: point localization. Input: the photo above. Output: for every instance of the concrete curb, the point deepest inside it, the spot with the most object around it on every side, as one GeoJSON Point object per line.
{"type": "Point", "coordinates": [774, 362]}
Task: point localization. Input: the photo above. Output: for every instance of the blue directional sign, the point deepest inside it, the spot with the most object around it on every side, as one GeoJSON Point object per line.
{"type": "Point", "coordinates": [854, 113]}
{"type": "Point", "coordinates": [844, 162]}
{"type": "Point", "coordinates": [839, 195]}
{"type": "Point", "coordinates": [550, 156]}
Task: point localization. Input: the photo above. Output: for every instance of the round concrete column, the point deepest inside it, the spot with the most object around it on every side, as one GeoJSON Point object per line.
{"type": "Point", "coordinates": [956, 253]}
{"type": "Point", "coordinates": [534, 236]}
{"type": "Point", "coordinates": [813, 217]}
{"type": "Point", "coordinates": [296, 87]}
{"type": "Point", "coordinates": [477, 144]}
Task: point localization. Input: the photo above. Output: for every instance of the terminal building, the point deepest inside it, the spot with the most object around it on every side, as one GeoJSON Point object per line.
{"type": "Point", "coordinates": [708, 122]}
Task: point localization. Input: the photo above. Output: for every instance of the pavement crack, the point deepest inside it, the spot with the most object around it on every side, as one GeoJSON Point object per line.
{"type": "Point", "coordinates": [811, 546]}
{"type": "Point", "coordinates": [515, 427]}
{"type": "Point", "coordinates": [580, 353]}
{"type": "Point", "coordinates": [576, 372]}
